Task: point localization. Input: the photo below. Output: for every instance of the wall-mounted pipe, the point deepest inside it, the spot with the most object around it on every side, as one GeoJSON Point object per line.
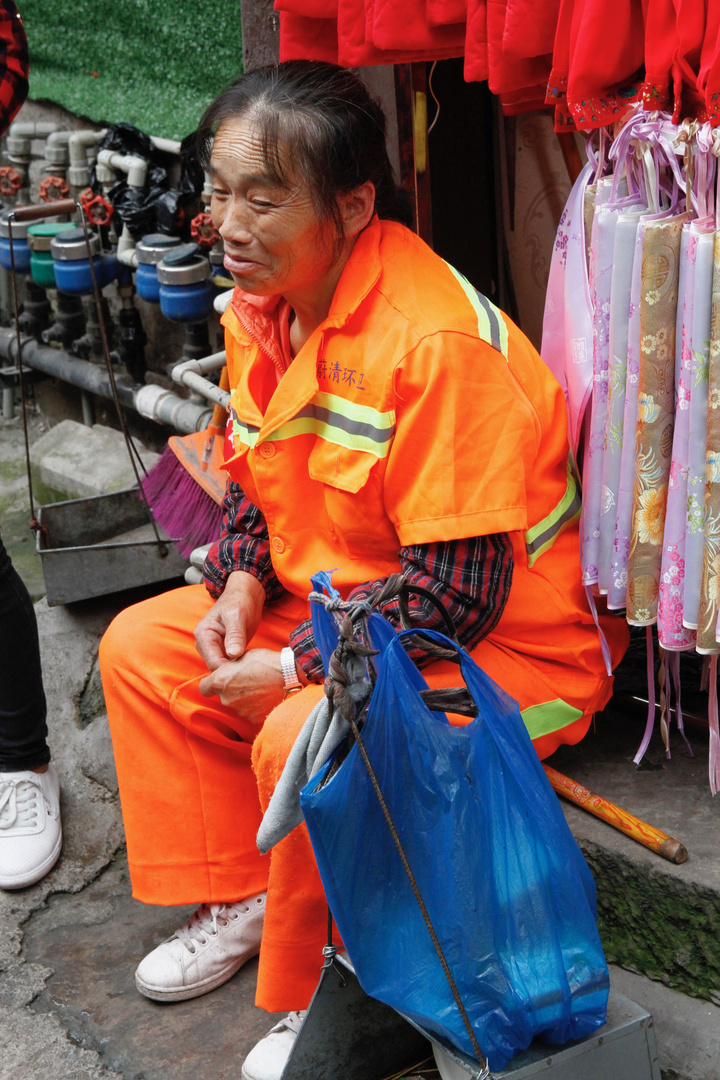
{"type": "Point", "coordinates": [169, 146]}
{"type": "Point", "coordinates": [164, 407]}
{"type": "Point", "coordinates": [186, 416]}
{"type": "Point", "coordinates": [135, 167]}
{"type": "Point", "coordinates": [79, 144]}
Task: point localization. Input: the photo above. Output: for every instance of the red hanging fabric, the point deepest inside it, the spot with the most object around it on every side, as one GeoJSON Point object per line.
{"type": "Point", "coordinates": [507, 74]}
{"type": "Point", "coordinates": [530, 27]}
{"type": "Point", "coordinates": [403, 24]}
{"type": "Point", "coordinates": [476, 47]}
{"type": "Point", "coordinates": [303, 38]}
{"type": "Point", "coordinates": [660, 44]}
{"type": "Point", "coordinates": [445, 12]}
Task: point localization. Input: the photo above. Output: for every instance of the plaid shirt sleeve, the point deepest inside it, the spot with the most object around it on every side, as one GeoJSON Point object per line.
{"type": "Point", "coordinates": [13, 63]}
{"type": "Point", "coordinates": [244, 545]}
{"type": "Point", "coordinates": [471, 578]}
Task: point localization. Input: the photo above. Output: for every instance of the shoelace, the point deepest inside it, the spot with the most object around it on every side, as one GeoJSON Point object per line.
{"type": "Point", "coordinates": [204, 923]}
{"type": "Point", "coordinates": [291, 1022]}
{"type": "Point", "coordinates": [19, 804]}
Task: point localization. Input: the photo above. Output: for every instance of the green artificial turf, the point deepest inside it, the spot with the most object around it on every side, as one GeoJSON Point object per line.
{"type": "Point", "coordinates": [151, 63]}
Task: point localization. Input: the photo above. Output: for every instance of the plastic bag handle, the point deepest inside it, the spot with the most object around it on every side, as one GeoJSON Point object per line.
{"type": "Point", "coordinates": [406, 588]}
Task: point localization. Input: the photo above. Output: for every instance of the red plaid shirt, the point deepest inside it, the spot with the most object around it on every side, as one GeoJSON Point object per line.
{"type": "Point", "coordinates": [471, 578]}
{"type": "Point", "coordinates": [13, 63]}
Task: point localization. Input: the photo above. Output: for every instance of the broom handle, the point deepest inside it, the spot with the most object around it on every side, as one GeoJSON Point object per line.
{"type": "Point", "coordinates": [638, 830]}
{"type": "Point", "coordinates": [217, 423]}
{"type": "Point", "coordinates": [220, 412]}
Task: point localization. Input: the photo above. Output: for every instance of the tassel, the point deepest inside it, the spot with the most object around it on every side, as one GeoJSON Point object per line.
{"type": "Point", "coordinates": [714, 763]}
{"type": "Point", "coordinates": [678, 706]}
{"type": "Point", "coordinates": [650, 724]}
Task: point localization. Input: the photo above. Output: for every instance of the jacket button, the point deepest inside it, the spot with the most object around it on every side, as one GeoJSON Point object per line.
{"type": "Point", "coordinates": [278, 545]}
{"type": "Point", "coordinates": [266, 450]}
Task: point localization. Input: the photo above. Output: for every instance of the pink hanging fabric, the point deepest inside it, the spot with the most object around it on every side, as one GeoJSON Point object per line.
{"type": "Point", "coordinates": [671, 632]}
{"type": "Point", "coordinates": [567, 325]}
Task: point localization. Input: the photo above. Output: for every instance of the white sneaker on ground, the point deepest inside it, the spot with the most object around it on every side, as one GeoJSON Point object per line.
{"type": "Point", "coordinates": [205, 952]}
{"type": "Point", "coordinates": [30, 829]}
{"type": "Point", "coordinates": [268, 1058]}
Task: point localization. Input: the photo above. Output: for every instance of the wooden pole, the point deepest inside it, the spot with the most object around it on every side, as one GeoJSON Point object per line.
{"type": "Point", "coordinates": [637, 830]}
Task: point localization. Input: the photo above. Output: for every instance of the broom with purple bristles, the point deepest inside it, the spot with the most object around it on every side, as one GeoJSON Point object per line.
{"type": "Point", "coordinates": [187, 486]}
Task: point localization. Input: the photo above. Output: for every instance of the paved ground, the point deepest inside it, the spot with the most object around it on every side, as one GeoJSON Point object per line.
{"type": "Point", "coordinates": [68, 946]}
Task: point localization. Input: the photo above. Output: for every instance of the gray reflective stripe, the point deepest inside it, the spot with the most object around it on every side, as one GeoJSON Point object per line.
{"type": "Point", "coordinates": [491, 325]}
{"type": "Point", "coordinates": [542, 536]}
{"type": "Point", "coordinates": [247, 433]}
{"type": "Point", "coordinates": [357, 427]}
{"type": "Point", "coordinates": [492, 320]}
{"type": "Point", "coordinates": [344, 423]}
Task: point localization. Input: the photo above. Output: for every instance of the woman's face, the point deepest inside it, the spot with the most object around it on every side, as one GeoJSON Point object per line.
{"type": "Point", "coordinates": [274, 240]}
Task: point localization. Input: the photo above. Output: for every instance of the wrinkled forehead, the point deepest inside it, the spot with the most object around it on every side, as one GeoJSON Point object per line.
{"type": "Point", "coordinates": [243, 143]}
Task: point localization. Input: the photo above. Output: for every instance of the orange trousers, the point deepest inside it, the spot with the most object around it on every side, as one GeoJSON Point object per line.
{"type": "Point", "coordinates": [194, 777]}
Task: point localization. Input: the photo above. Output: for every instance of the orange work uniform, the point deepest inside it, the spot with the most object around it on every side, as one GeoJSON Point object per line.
{"type": "Point", "coordinates": [415, 413]}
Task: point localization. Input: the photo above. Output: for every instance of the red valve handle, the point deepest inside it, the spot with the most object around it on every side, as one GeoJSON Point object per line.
{"type": "Point", "coordinates": [97, 210]}
{"type": "Point", "coordinates": [52, 188]}
{"type": "Point", "coordinates": [203, 231]}
{"type": "Point", "coordinates": [10, 181]}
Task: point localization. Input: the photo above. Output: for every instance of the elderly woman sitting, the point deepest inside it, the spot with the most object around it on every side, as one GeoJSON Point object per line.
{"type": "Point", "coordinates": [384, 417]}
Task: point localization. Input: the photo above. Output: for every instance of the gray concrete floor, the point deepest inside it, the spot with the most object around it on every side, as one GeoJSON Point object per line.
{"type": "Point", "coordinates": [69, 945]}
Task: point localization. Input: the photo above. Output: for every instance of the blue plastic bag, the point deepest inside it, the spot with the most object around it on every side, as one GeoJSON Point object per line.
{"type": "Point", "coordinates": [507, 889]}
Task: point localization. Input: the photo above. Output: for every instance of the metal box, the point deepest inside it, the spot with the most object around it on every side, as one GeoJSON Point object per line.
{"type": "Point", "coordinates": [347, 1035]}
{"type": "Point", "coordinates": [99, 545]}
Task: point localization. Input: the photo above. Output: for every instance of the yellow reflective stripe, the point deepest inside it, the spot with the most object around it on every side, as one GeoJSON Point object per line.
{"type": "Point", "coordinates": [542, 536]}
{"type": "Point", "coordinates": [246, 433]}
{"type": "Point", "coordinates": [491, 325]}
{"type": "Point", "coordinates": [334, 419]}
{"type": "Point", "coordinates": [548, 717]}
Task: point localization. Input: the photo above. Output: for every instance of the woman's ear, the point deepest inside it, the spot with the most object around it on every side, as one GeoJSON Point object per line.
{"type": "Point", "coordinates": [357, 207]}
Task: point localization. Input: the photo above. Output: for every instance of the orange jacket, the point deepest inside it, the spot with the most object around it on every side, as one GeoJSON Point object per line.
{"type": "Point", "coordinates": [415, 413]}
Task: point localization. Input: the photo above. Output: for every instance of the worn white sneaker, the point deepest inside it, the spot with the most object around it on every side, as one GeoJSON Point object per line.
{"type": "Point", "coordinates": [268, 1058]}
{"type": "Point", "coordinates": [204, 953]}
{"type": "Point", "coordinates": [30, 829]}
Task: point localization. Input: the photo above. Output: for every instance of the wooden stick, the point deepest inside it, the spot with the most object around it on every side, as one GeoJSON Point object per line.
{"type": "Point", "coordinates": [638, 830]}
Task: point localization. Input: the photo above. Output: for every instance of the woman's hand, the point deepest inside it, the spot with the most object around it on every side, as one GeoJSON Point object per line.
{"type": "Point", "coordinates": [251, 686]}
{"type": "Point", "coordinates": [223, 634]}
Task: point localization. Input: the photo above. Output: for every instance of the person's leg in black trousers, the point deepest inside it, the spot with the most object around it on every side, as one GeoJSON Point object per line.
{"type": "Point", "coordinates": [30, 832]}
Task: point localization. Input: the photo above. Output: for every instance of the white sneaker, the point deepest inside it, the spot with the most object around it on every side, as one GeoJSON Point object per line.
{"type": "Point", "coordinates": [268, 1058]}
{"type": "Point", "coordinates": [30, 829]}
{"type": "Point", "coordinates": [204, 953]}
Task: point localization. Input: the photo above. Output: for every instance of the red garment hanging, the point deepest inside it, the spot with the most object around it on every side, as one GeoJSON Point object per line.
{"type": "Point", "coordinates": [690, 28]}
{"type": "Point", "coordinates": [445, 12]}
{"type": "Point", "coordinates": [403, 24]}
{"type": "Point", "coordinates": [303, 38]}
{"type": "Point", "coordinates": [660, 44]}
{"type": "Point", "coordinates": [507, 74]}
{"type": "Point", "coordinates": [476, 49]}
{"type": "Point", "coordinates": [530, 27]}
{"type": "Point", "coordinates": [311, 9]}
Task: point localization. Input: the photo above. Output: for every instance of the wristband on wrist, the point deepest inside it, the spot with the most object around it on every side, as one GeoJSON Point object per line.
{"type": "Point", "coordinates": [291, 683]}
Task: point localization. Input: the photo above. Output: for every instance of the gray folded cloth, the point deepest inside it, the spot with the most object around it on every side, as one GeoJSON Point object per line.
{"type": "Point", "coordinates": [322, 732]}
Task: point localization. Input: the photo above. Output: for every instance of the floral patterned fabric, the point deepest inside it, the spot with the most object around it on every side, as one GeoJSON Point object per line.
{"type": "Point", "coordinates": [623, 258]}
{"type": "Point", "coordinates": [617, 585]}
{"type": "Point", "coordinates": [695, 522]}
{"type": "Point", "coordinates": [710, 583]}
{"type": "Point", "coordinates": [656, 409]}
{"type": "Point", "coordinates": [672, 634]}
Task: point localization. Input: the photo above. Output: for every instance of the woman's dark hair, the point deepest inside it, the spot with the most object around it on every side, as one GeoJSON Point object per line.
{"type": "Point", "coordinates": [322, 119]}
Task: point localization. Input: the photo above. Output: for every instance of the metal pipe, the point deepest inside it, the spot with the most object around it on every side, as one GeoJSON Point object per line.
{"type": "Point", "coordinates": [88, 409]}
{"type": "Point", "coordinates": [186, 416]}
